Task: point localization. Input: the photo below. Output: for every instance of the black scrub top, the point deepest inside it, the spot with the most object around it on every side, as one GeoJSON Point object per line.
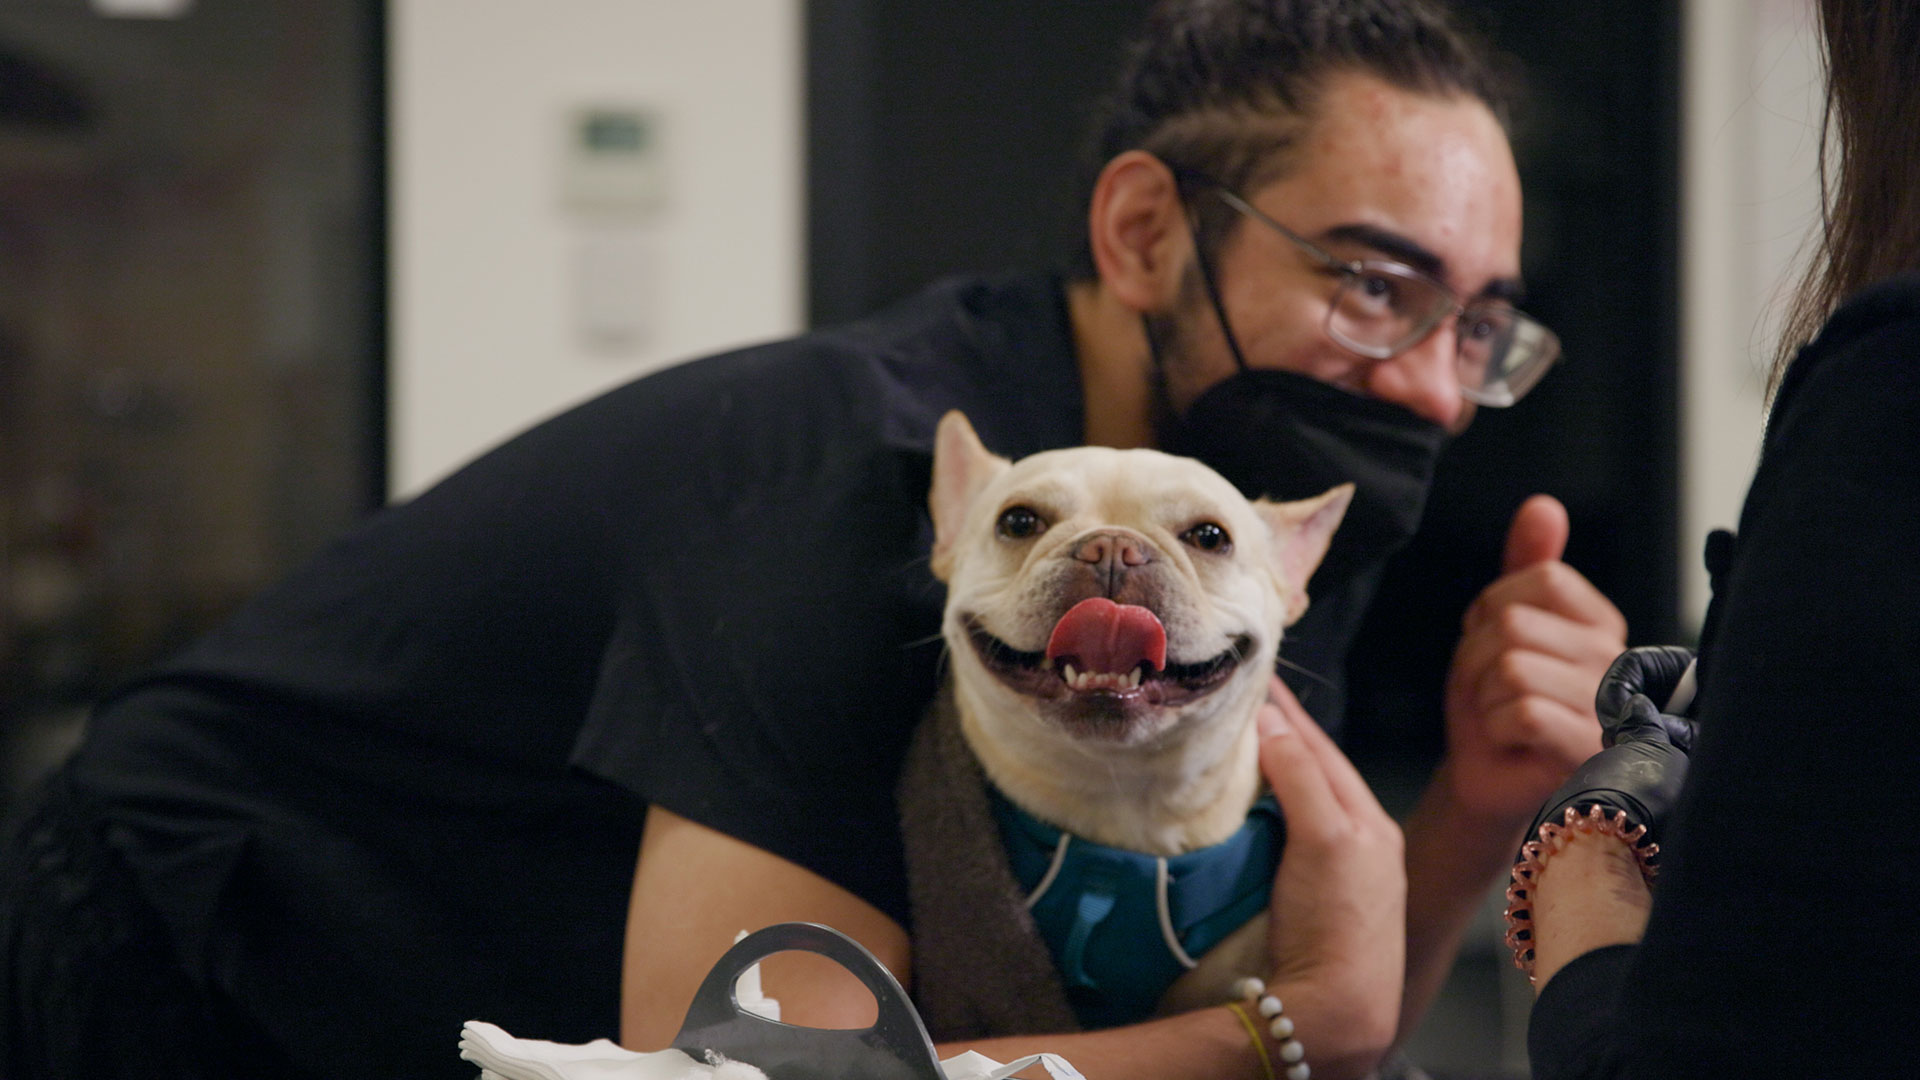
{"type": "Point", "coordinates": [404, 788]}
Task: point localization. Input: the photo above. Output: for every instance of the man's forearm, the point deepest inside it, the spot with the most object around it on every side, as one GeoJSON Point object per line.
{"type": "Point", "coordinates": [1452, 860]}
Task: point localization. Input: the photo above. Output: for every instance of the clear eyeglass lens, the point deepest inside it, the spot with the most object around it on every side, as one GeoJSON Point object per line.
{"type": "Point", "coordinates": [1503, 353]}
{"type": "Point", "coordinates": [1486, 338]}
{"type": "Point", "coordinates": [1383, 308]}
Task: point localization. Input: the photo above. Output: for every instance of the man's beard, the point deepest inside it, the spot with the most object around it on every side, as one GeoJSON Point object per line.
{"type": "Point", "coordinates": [1170, 348]}
{"type": "Point", "coordinates": [1161, 332]}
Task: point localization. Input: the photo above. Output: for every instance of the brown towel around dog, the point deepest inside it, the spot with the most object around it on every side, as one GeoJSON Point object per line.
{"type": "Point", "coordinates": [979, 967]}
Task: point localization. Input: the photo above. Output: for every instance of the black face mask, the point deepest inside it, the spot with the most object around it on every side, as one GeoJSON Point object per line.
{"type": "Point", "coordinates": [1286, 436]}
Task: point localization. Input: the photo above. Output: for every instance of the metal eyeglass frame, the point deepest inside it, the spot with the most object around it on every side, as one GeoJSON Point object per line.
{"type": "Point", "coordinates": [1513, 382]}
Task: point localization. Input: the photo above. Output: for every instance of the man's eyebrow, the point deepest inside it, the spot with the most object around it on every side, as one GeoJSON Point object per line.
{"type": "Point", "coordinates": [1406, 250]}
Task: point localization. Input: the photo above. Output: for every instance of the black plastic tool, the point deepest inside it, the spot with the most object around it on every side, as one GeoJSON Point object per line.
{"type": "Point", "coordinates": [896, 1047]}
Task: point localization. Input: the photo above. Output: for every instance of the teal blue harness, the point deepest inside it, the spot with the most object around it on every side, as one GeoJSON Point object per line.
{"type": "Point", "coordinates": [1122, 926]}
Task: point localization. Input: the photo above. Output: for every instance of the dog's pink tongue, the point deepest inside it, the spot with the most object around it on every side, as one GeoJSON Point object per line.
{"type": "Point", "coordinates": [1109, 637]}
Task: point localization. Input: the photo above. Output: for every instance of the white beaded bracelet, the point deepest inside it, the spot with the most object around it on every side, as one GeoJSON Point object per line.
{"type": "Point", "coordinates": [1291, 1051]}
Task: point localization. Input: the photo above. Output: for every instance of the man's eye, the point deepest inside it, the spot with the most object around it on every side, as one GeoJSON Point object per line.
{"type": "Point", "coordinates": [1019, 523]}
{"type": "Point", "coordinates": [1379, 287]}
{"type": "Point", "coordinates": [1207, 536]}
{"type": "Point", "coordinates": [1483, 325]}
{"type": "Point", "coordinates": [1380, 291]}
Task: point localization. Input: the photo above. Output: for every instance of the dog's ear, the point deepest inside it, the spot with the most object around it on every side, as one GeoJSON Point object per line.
{"type": "Point", "coordinates": [962, 466]}
{"type": "Point", "coordinates": [1301, 532]}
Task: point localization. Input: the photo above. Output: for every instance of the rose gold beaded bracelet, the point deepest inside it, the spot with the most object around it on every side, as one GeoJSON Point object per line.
{"type": "Point", "coordinates": [1553, 836]}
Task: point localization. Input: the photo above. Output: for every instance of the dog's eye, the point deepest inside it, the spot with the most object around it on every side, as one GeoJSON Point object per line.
{"type": "Point", "coordinates": [1208, 537]}
{"type": "Point", "coordinates": [1019, 523]}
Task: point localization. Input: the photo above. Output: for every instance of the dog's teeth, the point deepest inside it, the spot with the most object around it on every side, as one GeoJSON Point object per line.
{"type": "Point", "coordinates": [1100, 680]}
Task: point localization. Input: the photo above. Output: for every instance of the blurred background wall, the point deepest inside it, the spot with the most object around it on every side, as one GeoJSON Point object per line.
{"type": "Point", "coordinates": [582, 190]}
{"type": "Point", "coordinates": [265, 264]}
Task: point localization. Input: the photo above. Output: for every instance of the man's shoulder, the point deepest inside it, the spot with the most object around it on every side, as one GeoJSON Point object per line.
{"type": "Point", "coordinates": [998, 348]}
{"type": "Point", "coordinates": [839, 401]}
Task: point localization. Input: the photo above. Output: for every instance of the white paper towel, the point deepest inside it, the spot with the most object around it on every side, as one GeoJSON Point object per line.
{"type": "Point", "coordinates": [500, 1056]}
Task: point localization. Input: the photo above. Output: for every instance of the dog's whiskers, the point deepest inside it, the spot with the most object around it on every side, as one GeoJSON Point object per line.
{"type": "Point", "coordinates": [1314, 675]}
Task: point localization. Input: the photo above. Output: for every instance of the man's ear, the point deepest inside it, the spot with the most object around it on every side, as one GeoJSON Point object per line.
{"type": "Point", "coordinates": [1302, 531]}
{"type": "Point", "coordinates": [1138, 233]}
{"type": "Point", "coordinates": [962, 466]}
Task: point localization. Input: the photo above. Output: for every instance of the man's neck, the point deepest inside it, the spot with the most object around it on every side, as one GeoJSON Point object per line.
{"type": "Point", "coordinates": [1115, 364]}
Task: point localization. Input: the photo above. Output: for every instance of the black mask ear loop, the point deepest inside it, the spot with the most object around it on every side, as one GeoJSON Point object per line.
{"type": "Point", "coordinates": [1213, 294]}
{"type": "Point", "coordinates": [1213, 297]}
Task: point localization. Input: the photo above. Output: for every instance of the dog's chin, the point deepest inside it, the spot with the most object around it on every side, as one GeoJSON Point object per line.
{"type": "Point", "coordinates": [1108, 707]}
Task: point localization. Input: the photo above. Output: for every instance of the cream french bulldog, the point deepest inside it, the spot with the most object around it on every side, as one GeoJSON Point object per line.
{"type": "Point", "coordinates": [1112, 623]}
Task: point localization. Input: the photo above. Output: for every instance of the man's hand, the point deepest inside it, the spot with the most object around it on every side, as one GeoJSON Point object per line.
{"type": "Point", "coordinates": [1338, 924]}
{"type": "Point", "coordinates": [1519, 697]}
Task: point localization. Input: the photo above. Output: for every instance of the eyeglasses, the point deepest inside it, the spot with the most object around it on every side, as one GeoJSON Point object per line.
{"type": "Point", "coordinates": [1384, 308]}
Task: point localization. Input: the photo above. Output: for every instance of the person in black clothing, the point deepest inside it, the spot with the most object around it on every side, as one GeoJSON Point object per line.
{"type": "Point", "coordinates": [692, 619]}
{"type": "Point", "coordinates": [1775, 941]}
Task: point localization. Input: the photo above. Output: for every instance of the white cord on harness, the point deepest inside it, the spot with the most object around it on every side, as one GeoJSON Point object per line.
{"type": "Point", "coordinates": [1053, 870]}
{"type": "Point", "coordinates": [1166, 916]}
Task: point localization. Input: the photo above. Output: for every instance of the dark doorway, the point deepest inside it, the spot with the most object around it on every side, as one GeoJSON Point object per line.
{"type": "Point", "coordinates": [191, 377]}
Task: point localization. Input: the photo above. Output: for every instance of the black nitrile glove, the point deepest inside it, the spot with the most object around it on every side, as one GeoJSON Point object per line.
{"type": "Point", "coordinates": [1656, 671]}
{"type": "Point", "coordinates": [1645, 760]}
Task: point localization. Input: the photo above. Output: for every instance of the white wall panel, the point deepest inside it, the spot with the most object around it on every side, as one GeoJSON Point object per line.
{"type": "Point", "coordinates": [1751, 200]}
{"type": "Point", "coordinates": [498, 281]}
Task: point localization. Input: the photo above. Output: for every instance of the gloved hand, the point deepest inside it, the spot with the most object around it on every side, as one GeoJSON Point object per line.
{"type": "Point", "coordinates": [1645, 760]}
{"type": "Point", "coordinates": [1663, 674]}
{"type": "Point", "coordinates": [1639, 774]}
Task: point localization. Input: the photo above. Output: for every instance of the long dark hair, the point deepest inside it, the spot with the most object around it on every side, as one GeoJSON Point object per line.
{"type": "Point", "coordinates": [1869, 160]}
